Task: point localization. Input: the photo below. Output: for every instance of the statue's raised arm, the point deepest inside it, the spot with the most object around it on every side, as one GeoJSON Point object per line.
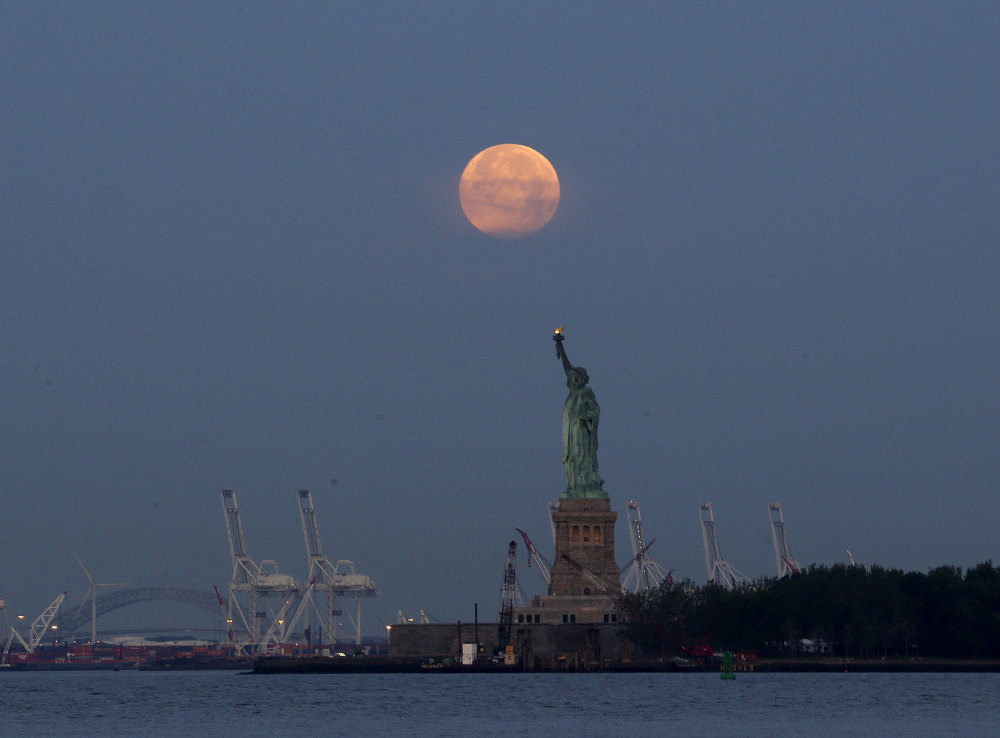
{"type": "Point", "coordinates": [581, 415]}
{"type": "Point", "coordinates": [558, 337]}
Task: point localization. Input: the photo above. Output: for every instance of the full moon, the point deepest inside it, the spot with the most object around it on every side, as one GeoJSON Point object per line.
{"type": "Point", "coordinates": [509, 191]}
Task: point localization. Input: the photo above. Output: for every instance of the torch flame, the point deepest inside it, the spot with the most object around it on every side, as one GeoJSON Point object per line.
{"type": "Point", "coordinates": [559, 330]}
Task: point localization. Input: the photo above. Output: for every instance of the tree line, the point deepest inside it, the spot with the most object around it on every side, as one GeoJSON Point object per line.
{"type": "Point", "coordinates": [843, 611]}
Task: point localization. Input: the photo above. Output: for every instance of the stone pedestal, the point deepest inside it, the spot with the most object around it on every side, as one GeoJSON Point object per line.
{"type": "Point", "coordinates": [585, 531]}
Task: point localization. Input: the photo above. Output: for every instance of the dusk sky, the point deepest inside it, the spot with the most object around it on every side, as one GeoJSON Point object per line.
{"type": "Point", "coordinates": [232, 255]}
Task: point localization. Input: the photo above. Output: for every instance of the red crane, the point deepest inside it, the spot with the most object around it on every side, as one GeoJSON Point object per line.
{"type": "Point", "coordinates": [544, 567]}
{"type": "Point", "coordinates": [225, 613]}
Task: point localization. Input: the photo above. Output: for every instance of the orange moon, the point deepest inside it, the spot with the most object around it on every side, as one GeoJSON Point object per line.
{"type": "Point", "coordinates": [509, 191]}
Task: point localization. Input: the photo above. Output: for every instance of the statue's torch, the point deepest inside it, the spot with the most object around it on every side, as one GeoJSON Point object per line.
{"type": "Point", "coordinates": [558, 337]}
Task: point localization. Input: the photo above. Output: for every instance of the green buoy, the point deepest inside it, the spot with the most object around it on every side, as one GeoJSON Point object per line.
{"type": "Point", "coordinates": [727, 666]}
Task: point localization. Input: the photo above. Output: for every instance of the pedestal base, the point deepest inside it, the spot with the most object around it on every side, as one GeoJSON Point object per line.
{"type": "Point", "coordinates": [554, 610]}
{"type": "Point", "coordinates": [585, 532]}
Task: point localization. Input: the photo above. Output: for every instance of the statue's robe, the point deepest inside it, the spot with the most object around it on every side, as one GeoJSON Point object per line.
{"type": "Point", "coordinates": [581, 415]}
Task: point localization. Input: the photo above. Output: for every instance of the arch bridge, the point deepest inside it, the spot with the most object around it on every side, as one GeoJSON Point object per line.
{"type": "Point", "coordinates": [74, 620]}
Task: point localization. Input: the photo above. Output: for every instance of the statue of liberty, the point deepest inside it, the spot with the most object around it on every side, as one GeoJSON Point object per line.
{"type": "Point", "coordinates": [581, 414]}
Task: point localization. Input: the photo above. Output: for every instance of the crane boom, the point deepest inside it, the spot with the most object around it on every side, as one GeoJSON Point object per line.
{"type": "Point", "coordinates": [6, 649]}
{"type": "Point", "coordinates": [610, 593]}
{"type": "Point", "coordinates": [245, 570]}
{"type": "Point", "coordinates": [40, 625]}
{"type": "Point", "coordinates": [643, 573]}
{"type": "Point", "coordinates": [719, 570]}
{"type": "Point", "coordinates": [225, 615]}
{"type": "Point", "coordinates": [787, 565]}
{"type": "Point", "coordinates": [544, 568]}
{"type": "Point", "coordinates": [256, 581]}
{"type": "Point", "coordinates": [336, 580]}
{"type": "Point", "coordinates": [319, 565]}
{"type": "Point", "coordinates": [321, 569]}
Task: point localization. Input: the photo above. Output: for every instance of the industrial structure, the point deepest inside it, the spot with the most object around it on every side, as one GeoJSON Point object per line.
{"type": "Point", "coordinates": [105, 603]}
{"type": "Point", "coordinates": [269, 605]}
{"type": "Point", "coordinates": [321, 570]}
{"type": "Point", "coordinates": [258, 585]}
{"type": "Point", "coordinates": [333, 580]}
{"type": "Point", "coordinates": [260, 614]}
{"type": "Point", "coordinates": [642, 573]}
{"type": "Point", "coordinates": [719, 570]}
{"type": "Point", "coordinates": [786, 563]}
{"type": "Point", "coordinates": [510, 597]}
{"type": "Point", "coordinates": [543, 567]}
{"type": "Point", "coordinates": [264, 608]}
{"type": "Point", "coordinates": [579, 611]}
{"type": "Point", "coordinates": [39, 627]}
{"type": "Point", "coordinates": [402, 619]}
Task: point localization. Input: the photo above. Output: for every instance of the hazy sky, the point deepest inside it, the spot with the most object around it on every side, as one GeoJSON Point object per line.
{"type": "Point", "coordinates": [232, 255]}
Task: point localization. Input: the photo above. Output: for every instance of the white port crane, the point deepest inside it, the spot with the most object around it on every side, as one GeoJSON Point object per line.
{"type": "Point", "coordinates": [336, 580]}
{"type": "Point", "coordinates": [258, 582]}
{"type": "Point", "coordinates": [786, 563]}
{"type": "Point", "coordinates": [642, 573]}
{"type": "Point", "coordinates": [719, 570]}
{"type": "Point", "coordinates": [321, 569]}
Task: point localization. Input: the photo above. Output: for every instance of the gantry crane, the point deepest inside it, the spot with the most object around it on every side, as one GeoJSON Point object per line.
{"type": "Point", "coordinates": [786, 563]}
{"type": "Point", "coordinates": [643, 573]}
{"type": "Point", "coordinates": [321, 569]}
{"type": "Point", "coordinates": [257, 582]}
{"type": "Point", "coordinates": [336, 580]}
{"type": "Point", "coordinates": [719, 570]}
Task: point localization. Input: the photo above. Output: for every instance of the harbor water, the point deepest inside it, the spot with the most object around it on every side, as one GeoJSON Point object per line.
{"type": "Point", "coordinates": [138, 703]}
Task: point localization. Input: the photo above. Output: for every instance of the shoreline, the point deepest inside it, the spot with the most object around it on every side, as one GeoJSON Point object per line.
{"type": "Point", "coordinates": [413, 665]}
{"type": "Point", "coordinates": [886, 665]}
{"type": "Point", "coordinates": [369, 665]}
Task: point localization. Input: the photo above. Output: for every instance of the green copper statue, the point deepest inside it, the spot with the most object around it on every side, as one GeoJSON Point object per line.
{"type": "Point", "coordinates": [581, 415]}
